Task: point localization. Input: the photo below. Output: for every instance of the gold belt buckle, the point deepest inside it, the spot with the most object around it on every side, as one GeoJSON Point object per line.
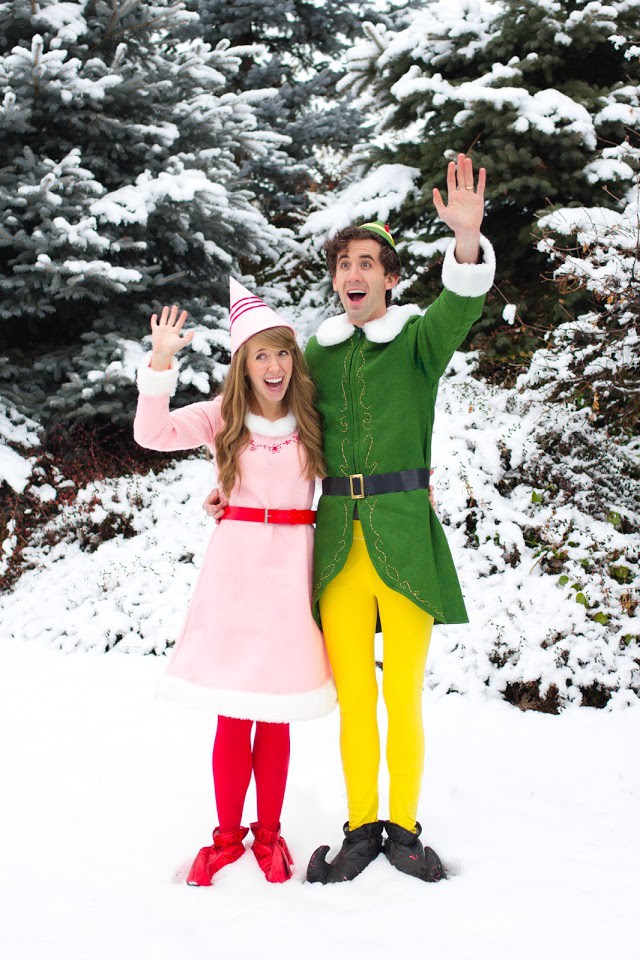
{"type": "Point", "coordinates": [360, 479]}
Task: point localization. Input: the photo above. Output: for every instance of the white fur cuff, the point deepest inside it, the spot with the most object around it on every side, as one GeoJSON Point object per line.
{"type": "Point", "coordinates": [469, 279]}
{"type": "Point", "coordinates": [157, 383]}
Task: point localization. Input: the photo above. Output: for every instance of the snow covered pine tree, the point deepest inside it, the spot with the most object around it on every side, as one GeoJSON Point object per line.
{"type": "Point", "coordinates": [301, 49]}
{"type": "Point", "coordinates": [120, 187]}
{"type": "Point", "coordinates": [511, 83]}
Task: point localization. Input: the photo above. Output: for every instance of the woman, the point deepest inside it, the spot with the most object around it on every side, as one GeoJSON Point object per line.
{"type": "Point", "coordinates": [249, 648]}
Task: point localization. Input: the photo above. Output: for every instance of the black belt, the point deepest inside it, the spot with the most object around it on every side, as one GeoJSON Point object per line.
{"type": "Point", "coordinates": [358, 486]}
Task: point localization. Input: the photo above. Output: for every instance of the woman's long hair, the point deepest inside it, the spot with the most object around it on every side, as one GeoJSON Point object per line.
{"type": "Point", "coordinates": [236, 403]}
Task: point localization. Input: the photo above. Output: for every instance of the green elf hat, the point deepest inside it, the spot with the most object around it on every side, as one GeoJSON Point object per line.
{"type": "Point", "coordinates": [381, 230]}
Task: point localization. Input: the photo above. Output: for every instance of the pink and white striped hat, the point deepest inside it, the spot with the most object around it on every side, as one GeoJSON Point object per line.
{"type": "Point", "coordinates": [249, 314]}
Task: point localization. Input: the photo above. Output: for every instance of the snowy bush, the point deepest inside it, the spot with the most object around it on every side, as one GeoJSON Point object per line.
{"type": "Point", "coordinates": [595, 359]}
{"type": "Point", "coordinates": [550, 552]}
{"type": "Point", "coordinates": [115, 566]}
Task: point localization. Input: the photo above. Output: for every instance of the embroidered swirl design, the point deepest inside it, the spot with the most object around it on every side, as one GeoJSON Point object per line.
{"type": "Point", "coordinates": [366, 418]}
{"type": "Point", "coordinates": [327, 572]}
{"type": "Point", "coordinates": [392, 572]}
{"type": "Point", "coordinates": [344, 468]}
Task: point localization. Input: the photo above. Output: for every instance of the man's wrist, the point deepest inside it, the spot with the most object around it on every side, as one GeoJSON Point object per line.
{"type": "Point", "coordinates": [467, 247]}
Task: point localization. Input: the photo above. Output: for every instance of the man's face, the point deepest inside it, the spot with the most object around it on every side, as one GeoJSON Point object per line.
{"type": "Point", "coordinates": [361, 282]}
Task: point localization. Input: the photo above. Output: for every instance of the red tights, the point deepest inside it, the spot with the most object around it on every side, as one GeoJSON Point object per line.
{"type": "Point", "coordinates": [233, 761]}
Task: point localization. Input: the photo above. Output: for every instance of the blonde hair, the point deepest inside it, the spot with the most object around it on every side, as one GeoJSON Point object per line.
{"type": "Point", "coordinates": [236, 403]}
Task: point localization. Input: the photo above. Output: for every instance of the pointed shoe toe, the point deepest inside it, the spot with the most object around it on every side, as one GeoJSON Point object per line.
{"type": "Point", "coordinates": [405, 852]}
{"type": "Point", "coordinates": [360, 847]}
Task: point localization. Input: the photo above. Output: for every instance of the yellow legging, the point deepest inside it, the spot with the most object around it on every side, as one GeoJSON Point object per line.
{"type": "Point", "coordinates": [348, 608]}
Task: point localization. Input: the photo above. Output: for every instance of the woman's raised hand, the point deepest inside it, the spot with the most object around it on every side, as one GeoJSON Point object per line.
{"type": "Point", "coordinates": [166, 336]}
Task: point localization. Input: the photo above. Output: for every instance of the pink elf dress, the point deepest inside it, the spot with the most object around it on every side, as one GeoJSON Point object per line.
{"type": "Point", "coordinates": [249, 646]}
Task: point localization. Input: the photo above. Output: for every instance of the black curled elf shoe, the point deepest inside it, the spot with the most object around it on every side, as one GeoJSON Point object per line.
{"type": "Point", "coordinates": [359, 848]}
{"type": "Point", "coordinates": [405, 852]}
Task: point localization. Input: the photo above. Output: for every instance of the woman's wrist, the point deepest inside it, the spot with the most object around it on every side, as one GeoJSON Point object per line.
{"type": "Point", "coordinates": [161, 361]}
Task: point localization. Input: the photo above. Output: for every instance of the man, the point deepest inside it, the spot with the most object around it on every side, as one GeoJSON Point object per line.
{"type": "Point", "coordinates": [379, 549]}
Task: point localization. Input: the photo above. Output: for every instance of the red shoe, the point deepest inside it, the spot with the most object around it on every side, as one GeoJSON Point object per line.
{"type": "Point", "coordinates": [272, 854]}
{"type": "Point", "coordinates": [227, 847]}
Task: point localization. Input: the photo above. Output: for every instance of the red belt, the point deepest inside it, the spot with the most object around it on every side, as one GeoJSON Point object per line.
{"type": "Point", "coordinates": [268, 515]}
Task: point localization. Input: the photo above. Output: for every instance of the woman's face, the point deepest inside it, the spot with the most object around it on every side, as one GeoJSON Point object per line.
{"type": "Point", "coordinates": [269, 371]}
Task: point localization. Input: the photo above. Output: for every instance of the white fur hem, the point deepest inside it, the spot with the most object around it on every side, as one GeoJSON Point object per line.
{"type": "Point", "coordinates": [271, 428]}
{"type": "Point", "coordinates": [268, 707]}
{"type": "Point", "coordinates": [157, 383]}
{"type": "Point", "coordinates": [469, 279]}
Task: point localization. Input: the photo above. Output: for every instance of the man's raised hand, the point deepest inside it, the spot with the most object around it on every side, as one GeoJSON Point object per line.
{"type": "Point", "coordinates": [464, 209]}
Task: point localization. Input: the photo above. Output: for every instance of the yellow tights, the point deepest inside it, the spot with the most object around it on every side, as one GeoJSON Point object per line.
{"type": "Point", "coordinates": [348, 608]}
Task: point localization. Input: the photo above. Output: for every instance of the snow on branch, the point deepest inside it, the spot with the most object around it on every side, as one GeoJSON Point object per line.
{"type": "Point", "coordinates": [374, 197]}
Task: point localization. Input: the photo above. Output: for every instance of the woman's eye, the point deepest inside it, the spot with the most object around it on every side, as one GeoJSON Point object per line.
{"type": "Point", "coordinates": [284, 353]}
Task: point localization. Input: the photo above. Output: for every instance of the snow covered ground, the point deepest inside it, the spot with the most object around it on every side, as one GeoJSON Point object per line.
{"type": "Point", "coordinates": [106, 795]}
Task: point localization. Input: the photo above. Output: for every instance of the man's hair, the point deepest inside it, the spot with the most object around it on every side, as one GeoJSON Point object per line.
{"type": "Point", "coordinates": [335, 245]}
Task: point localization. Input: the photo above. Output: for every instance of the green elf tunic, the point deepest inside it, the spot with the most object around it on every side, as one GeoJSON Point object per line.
{"type": "Point", "coordinates": [376, 391]}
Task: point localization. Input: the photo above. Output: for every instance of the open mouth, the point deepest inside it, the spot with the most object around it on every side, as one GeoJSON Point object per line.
{"type": "Point", "coordinates": [275, 383]}
{"type": "Point", "coordinates": [355, 296]}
